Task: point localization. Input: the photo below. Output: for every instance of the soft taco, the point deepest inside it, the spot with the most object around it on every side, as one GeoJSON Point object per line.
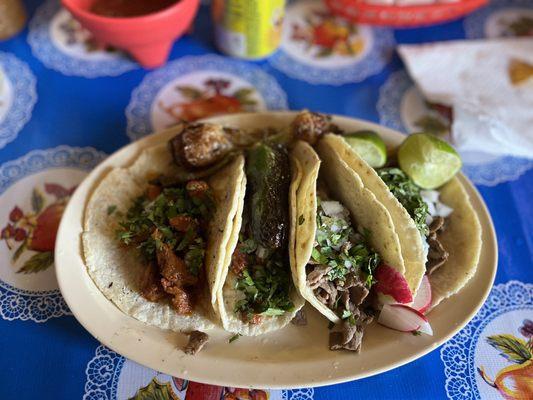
{"type": "Point", "coordinates": [153, 244]}
{"type": "Point", "coordinates": [439, 231]}
{"type": "Point", "coordinates": [256, 293]}
{"type": "Point", "coordinates": [342, 236]}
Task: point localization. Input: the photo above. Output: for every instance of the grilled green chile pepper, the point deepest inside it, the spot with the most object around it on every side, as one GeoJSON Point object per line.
{"type": "Point", "coordinates": [268, 173]}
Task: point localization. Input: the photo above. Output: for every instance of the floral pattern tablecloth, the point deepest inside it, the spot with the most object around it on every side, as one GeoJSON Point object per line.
{"type": "Point", "coordinates": [66, 102]}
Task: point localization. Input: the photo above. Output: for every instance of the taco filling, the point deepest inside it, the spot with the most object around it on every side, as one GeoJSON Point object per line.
{"type": "Point", "coordinates": [260, 261]}
{"type": "Point", "coordinates": [340, 271]}
{"type": "Point", "coordinates": [169, 227]}
{"type": "Point", "coordinates": [427, 211]}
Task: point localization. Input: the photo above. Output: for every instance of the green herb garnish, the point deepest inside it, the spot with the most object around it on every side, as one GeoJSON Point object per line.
{"type": "Point", "coordinates": [234, 337]}
{"type": "Point", "coordinates": [265, 288]}
{"type": "Point", "coordinates": [341, 248]}
{"type": "Point", "coordinates": [301, 219]}
{"type": "Point", "coordinates": [145, 217]}
{"type": "Point", "coordinates": [408, 194]}
{"type": "Point", "coordinates": [111, 209]}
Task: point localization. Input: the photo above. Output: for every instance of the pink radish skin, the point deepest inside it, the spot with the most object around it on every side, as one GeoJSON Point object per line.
{"type": "Point", "coordinates": [391, 282]}
{"type": "Point", "coordinates": [422, 299]}
{"type": "Point", "coordinates": [404, 318]}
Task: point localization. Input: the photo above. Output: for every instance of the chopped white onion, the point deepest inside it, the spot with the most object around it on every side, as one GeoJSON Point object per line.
{"type": "Point", "coordinates": [261, 252]}
{"type": "Point", "coordinates": [332, 208]}
{"type": "Point", "coordinates": [436, 208]}
{"type": "Point", "coordinates": [430, 196]}
{"type": "Point", "coordinates": [442, 210]}
{"type": "Point", "coordinates": [431, 208]}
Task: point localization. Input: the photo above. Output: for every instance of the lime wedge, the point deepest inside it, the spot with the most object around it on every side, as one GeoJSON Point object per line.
{"type": "Point", "coordinates": [369, 146]}
{"type": "Point", "coordinates": [429, 161]}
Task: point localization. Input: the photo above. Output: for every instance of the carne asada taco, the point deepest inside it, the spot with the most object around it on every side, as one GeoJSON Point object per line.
{"type": "Point", "coordinates": [439, 231]}
{"type": "Point", "coordinates": [152, 244]}
{"type": "Point", "coordinates": [342, 234]}
{"type": "Point", "coordinates": [257, 294]}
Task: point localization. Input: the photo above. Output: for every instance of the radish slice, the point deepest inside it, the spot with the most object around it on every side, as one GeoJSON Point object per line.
{"type": "Point", "coordinates": [422, 299]}
{"type": "Point", "coordinates": [404, 318]}
{"type": "Point", "coordinates": [391, 282]}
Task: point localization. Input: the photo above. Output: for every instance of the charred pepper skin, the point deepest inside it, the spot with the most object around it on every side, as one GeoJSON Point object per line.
{"type": "Point", "coordinates": [268, 174]}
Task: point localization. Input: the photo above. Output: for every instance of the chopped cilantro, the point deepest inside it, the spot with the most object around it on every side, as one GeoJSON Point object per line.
{"type": "Point", "coordinates": [346, 314]}
{"type": "Point", "coordinates": [234, 337]}
{"type": "Point", "coordinates": [416, 333]}
{"type": "Point", "coordinates": [273, 312]}
{"type": "Point", "coordinates": [145, 217]}
{"type": "Point", "coordinates": [340, 247]}
{"type": "Point", "coordinates": [111, 209]}
{"type": "Point", "coordinates": [248, 246]}
{"type": "Point", "coordinates": [301, 219]}
{"type": "Point", "coordinates": [408, 194]}
{"type": "Point", "coordinates": [265, 288]}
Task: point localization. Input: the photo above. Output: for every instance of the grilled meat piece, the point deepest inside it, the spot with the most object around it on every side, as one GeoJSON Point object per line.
{"type": "Point", "coordinates": [150, 284]}
{"type": "Point", "coordinates": [173, 268]}
{"type": "Point", "coordinates": [437, 254]}
{"type": "Point", "coordinates": [200, 145]}
{"type": "Point", "coordinates": [197, 341]}
{"type": "Point", "coordinates": [309, 126]}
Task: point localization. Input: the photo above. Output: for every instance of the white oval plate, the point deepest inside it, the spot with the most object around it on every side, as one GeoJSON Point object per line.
{"type": "Point", "coordinates": [289, 358]}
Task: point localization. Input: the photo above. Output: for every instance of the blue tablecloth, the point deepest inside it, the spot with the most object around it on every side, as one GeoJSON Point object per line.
{"type": "Point", "coordinates": [65, 104]}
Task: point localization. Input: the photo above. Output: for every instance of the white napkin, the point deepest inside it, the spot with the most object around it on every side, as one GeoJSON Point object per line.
{"type": "Point", "coordinates": [491, 114]}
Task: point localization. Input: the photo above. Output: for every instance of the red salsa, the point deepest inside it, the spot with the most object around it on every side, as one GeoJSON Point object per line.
{"type": "Point", "coordinates": [129, 8]}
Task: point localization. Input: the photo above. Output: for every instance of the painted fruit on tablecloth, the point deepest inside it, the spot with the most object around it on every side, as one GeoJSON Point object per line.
{"type": "Point", "coordinates": [514, 382]}
{"type": "Point", "coordinates": [328, 34]}
{"type": "Point", "coordinates": [214, 98]}
{"type": "Point", "coordinates": [36, 230]}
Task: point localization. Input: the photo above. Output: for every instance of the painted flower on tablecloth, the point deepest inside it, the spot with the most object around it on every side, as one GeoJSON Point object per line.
{"type": "Point", "coordinates": [326, 35]}
{"type": "Point", "coordinates": [520, 25]}
{"type": "Point", "coordinates": [76, 34]}
{"type": "Point", "coordinates": [516, 380]}
{"type": "Point", "coordinates": [215, 97]}
{"type": "Point", "coordinates": [36, 230]}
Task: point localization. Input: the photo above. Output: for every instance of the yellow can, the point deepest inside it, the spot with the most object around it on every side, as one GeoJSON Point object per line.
{"type": "Point", "coordinates": [248, 29]}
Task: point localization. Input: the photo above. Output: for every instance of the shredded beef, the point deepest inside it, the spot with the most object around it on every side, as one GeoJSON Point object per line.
{"type": "Point", "coordinates": [437, 254]}
{"type": "Point", "coordinates": [317, 276]}
{"type": "Point", "coordinates": [358, 294]}
{"type": "Point", "coordinates": [342, 296]}
{"type": "Point", "coordinates": [175, 278]}
{"type": "Point", "coordinates": [300, 318]}
{"type": "Point", "coordinates": [327, 293]}
{"type": "Point", "coordinates": [182, 300]}
{"type": "Point", "coordinates": [437, 224]}
{"type": "Point", "coordinates": [173, 268]}
{"type": "Point", "coordinates": [150, 284]}
{"type": "Point", "coordinates": [350, 336]}
{"type": "Point", "coordinates": [239, 261]}
{"type": "Point", "coordinates": [197, 340]}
